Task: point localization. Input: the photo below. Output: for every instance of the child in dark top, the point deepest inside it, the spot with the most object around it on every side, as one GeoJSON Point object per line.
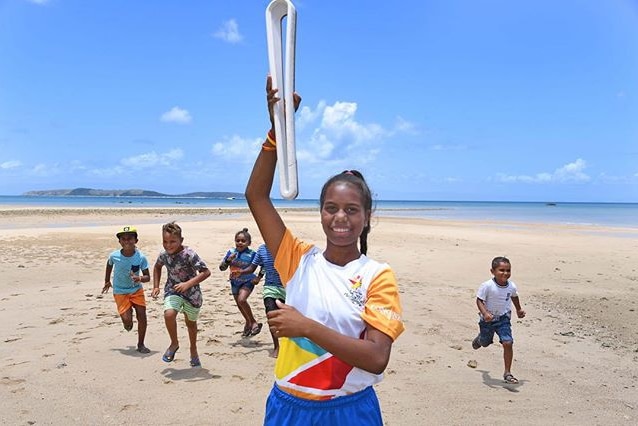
{"type": "Point", "coordinates": [240, 259]}
{"type": "Point", "coordinates": [273, 288]}
{"type": "Point", "coordinates": [130, 269]}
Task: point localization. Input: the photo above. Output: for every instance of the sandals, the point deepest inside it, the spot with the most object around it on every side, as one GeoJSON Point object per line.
{"type": "Point", "coordinates": [509, 378]}
{"type": "Point", "coordinates": [255, 331]}
{"type": "Point", "coordinates": [143, 349]}
{"type": "Point", "coordinates": [249, 332]}
{"type": "Point", "coordinates": [169, 355]}
{"type": "Point", "coordinates": [195, 362]}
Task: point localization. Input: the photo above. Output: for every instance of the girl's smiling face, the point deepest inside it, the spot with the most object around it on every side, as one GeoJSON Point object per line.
{"type": "Point", "coordinates": [241, 242]}
{"type": "Point", "coordinates": [343, 215]}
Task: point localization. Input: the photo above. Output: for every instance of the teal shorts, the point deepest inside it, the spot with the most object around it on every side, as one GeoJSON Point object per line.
{"type": "Point", "coordinates": [180, 304]}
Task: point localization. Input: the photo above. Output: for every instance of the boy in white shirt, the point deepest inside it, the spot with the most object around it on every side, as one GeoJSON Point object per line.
{"type": "Point", "coordinates": [494, 299]}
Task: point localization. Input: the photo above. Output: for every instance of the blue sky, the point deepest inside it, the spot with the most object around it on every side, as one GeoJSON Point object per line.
{"type": "Point", "coordinates": [431, 100]}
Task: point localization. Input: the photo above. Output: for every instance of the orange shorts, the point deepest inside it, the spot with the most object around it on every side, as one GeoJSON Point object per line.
{"type": "Point", "coordinates": [125, 302]}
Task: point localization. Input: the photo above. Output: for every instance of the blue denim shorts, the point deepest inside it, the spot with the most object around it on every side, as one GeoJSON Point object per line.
{"type": "Point", "coordinates": [235, 286]}
{"type": "Point", "coordinates": [501, 326]}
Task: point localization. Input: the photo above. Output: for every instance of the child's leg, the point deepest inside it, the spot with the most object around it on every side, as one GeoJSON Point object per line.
{"type": "Point", "coordinates": [127, 319]}
{"type": "Point", "coordinates": [192, 336]}
{"type": "Point", "coordinates": [485, 336]}
{"type": "Point", "coordinates": [140, 313]}
{"type": "Point", "coordinates": [125, 309]}
{"type": "Point", "coordinates": [241, 310]}
{"type": "Point", "coordinates": [508, 356]}
{"type": "Point", "coordinates": [504, 331]}
{"type": "Point", "coordinates": [242, 301]}
{"type": "Point", "coordinates": [170, 319]}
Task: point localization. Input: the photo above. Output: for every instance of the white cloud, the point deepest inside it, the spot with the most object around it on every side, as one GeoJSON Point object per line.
{"type": "Point", "coordinates": [229, 32]}
{"type": "Point", "coordinates": [338, 137]}
{"type": "Point", "coordinates": [38, 1]}
{"type": "Point", "coordinates": [236, 148]}
{"type": "Point", "coordinates": [42, 169]}
{"type": "Point", "coordinates": [177, 115]}
{"type": "Point", "coordinates": [12, 164]}
{"type": "Point", "coordinates": [153, 159]}
{"type": "Point", "coordinates": [571, 172]}
{"type": "Point", "coordinates": [108, 173]}
{"type": "Point", "coordinates": [615, 179]}
{"type": "Point", "coordinates": [404, 126]}
{"type": "Point", "coordinates": [339, 120]}
{"type": "Point", "coordinates": [306, 116]}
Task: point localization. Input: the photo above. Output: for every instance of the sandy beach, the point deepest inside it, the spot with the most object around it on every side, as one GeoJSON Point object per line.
{"type": "Point", "coordinates": [65, 358]}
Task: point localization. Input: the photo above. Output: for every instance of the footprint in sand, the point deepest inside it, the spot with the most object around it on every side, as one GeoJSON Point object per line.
{"type": "Point", "coordinates": [8, 381]}
{"type": "Point", "coordinates": [25, 326]}
{"type": "Point", "coordinates": [128, 407]}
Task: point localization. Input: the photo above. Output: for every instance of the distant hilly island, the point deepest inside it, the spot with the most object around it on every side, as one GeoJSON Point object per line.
{"type": "Point", "coordinates": [89, 192]}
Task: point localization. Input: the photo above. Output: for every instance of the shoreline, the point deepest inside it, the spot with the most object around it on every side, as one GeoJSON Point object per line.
{"type": "Point", "coordinates": [92, 216]}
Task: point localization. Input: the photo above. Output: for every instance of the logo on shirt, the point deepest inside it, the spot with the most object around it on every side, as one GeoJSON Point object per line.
{"type": "Point", "coordinates": [355, 293]}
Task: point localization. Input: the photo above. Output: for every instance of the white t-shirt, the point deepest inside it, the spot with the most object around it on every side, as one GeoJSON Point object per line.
{"type": "Point", "coordinates": [498, 299]}
{"type": "Point", "coordinates": [343, 298]}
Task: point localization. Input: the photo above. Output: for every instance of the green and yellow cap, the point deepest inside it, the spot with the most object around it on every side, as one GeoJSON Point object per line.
{"type": "Point", "coordinates": [126, 230]}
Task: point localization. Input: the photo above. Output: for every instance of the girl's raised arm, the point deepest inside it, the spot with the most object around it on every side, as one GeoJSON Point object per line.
{"type": "Point", "coordinates": [270, 224]}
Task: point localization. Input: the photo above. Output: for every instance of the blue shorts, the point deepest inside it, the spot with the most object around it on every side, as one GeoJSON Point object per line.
{"type": "Point", "coordinates": [236, 286]}
{"type": "Point", "coordinates": [501, 326]}
{"type": "Point", "coordinates": [361, 408]}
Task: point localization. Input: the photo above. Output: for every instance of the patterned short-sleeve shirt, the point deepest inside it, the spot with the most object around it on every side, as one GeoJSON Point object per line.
{"type": "Point", "coordinates": [181, 267]}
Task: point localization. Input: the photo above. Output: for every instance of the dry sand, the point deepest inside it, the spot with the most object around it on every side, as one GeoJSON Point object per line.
{"type": "Point", "coordinates": [65, 358]}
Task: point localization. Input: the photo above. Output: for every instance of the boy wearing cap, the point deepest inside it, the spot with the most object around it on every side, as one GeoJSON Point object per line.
{"type": "Point", "coordinates": [130, 269]}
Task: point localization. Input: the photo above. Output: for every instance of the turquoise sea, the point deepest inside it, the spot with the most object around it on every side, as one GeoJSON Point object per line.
{"type": "Point", "coordinates": [606, 214]}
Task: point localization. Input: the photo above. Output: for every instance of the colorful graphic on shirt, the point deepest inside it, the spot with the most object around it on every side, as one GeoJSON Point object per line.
{"type": "Point", "coordinates": [314, 368]}
{"type": "Point", "coordinates": [355, 293]}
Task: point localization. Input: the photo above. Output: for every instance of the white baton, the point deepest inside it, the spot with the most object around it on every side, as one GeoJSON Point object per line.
{"type": "Point", "coordinates": [284, 112]}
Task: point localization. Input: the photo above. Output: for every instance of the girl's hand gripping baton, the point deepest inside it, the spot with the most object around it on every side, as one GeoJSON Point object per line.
{"type": "Point", "coordinates": [284, 112]}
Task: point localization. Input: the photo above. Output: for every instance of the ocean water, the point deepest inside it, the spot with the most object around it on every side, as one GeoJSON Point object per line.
{"type": "Point", "coordinates": [594, 214]}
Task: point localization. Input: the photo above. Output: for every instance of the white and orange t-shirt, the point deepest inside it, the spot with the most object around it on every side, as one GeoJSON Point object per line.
{"type": "Point", "coordinates": [344, 298]}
